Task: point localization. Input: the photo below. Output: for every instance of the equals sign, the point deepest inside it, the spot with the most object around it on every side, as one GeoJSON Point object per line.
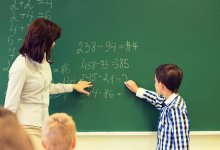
{"type": "Point", "coordinates": [119, 80]}
{"type": "Point", "coordinates": [40, 15]}
{"type": "Point", "coordinates": [40, 1]}
{"type": "Point", "coordinates": [55, 70]}
{"type": "Point", "coordinates": [121, 46]}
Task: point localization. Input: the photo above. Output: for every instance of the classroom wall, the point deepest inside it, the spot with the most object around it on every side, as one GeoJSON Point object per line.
{"type": "Point", "coordinates": [141, 142]}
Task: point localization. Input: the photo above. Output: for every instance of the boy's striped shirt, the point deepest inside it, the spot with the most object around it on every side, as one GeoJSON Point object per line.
{"type": "Point", "coordinates": [174, 123]}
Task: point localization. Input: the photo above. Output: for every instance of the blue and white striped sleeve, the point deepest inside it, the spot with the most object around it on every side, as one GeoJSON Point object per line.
{"type": "Point", "coordinates": [151, 97]}
{"type": "Point", "coordinates": [180, 128]}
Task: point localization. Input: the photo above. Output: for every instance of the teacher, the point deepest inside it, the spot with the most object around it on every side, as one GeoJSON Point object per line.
{"type": "Point", "coordinates": [30, 79]}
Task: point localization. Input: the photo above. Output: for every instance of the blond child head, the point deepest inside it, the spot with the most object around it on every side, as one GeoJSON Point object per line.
{"type": "Point", "coordinates": [59, 132]}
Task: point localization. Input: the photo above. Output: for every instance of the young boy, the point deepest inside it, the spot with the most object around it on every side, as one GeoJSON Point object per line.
{"type": "Point", "coordinates": [174, 124]}
{"type": "Point", "coordinates": [59, 132]}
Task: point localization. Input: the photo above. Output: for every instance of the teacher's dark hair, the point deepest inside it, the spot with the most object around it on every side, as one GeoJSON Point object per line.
{"type": "Point", "coordinates": [39, 39]}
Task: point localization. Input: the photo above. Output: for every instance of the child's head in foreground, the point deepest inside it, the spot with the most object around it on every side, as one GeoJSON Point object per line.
{"type": "Point", "coordinates": [168, 75]}
{"type": "Point", "coordinates": [59, 132]}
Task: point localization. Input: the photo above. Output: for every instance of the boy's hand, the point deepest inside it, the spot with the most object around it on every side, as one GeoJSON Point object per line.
{"type": "Point", "coordinates": [131, 85]}
{"type": "Point", "coordinates": [81, 86]}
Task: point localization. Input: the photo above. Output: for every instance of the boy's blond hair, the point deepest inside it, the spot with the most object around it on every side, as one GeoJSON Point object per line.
{"type": "Point", "coordinates": [59, 132]}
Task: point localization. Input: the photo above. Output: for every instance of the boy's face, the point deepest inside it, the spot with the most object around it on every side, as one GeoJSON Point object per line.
{"type": "Point", "coordinates": [158, 86]}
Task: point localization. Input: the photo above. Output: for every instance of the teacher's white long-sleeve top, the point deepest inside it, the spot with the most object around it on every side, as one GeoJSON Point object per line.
{"type": "Point", "coordinates": [29, 88]}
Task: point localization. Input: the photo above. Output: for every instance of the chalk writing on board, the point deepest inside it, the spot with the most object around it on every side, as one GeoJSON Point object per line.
{"type": "Point", "coordinates": [107, 47]}
{"type": "Point", "coordinates": [12, 32]}
{"type": "Point", "coordinates": [108, 72]}
{"type": "Point", "coordinates": [104, 64]}
{"type": "Point", "coordinates": [104, 77]}
{"type": "Point", "coordinates": [105, 93]}
{"type": "Point", "coordinates": [99, 70]}
{"type": "Point", "coordinates": [22, 12]}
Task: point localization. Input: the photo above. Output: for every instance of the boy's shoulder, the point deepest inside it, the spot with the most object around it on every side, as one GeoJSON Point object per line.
{"type": "Point", "coordinates": [178, 103]}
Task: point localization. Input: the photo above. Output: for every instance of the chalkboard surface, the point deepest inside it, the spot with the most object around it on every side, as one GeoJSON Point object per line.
{"type": "Point", "coordinates": [109, 41]}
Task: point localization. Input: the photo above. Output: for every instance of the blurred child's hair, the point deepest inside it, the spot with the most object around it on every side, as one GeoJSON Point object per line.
{"type": "Point", "coordinates": [58, 132]}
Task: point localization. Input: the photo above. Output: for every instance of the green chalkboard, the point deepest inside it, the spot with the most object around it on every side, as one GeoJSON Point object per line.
{"type": "Point", "coordinates": [110, 41]}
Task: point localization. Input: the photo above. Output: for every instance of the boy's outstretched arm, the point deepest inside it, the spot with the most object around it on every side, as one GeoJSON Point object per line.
{"type": "Point", "coordinates": [132, 86]}
{"type": "Point", "coordinates": [150, 96]}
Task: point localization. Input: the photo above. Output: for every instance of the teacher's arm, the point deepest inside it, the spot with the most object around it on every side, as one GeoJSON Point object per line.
{"type": "Point", "coordinates": [64, 88]}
